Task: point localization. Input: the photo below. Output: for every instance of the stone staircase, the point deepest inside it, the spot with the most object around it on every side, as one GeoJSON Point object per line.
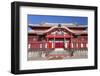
{"type": "Point", "coordinates": [59, 51]}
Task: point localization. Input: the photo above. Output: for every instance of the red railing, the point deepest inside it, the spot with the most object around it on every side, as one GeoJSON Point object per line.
{"type": "Point", "coordinates": [37, 45]}
{"type": "Point", "coordinates": [48, 45]}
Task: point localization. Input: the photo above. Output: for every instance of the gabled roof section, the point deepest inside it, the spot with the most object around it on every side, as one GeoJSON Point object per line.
{"type": "Point", "coordinates": [51, 26]}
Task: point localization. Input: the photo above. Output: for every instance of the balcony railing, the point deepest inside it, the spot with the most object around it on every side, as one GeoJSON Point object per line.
{"type": "Point", "coordinates": [48, 46]}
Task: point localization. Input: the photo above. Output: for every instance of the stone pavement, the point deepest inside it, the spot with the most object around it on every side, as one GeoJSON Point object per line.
{"type": "Point", "coordinates": [77, 54]}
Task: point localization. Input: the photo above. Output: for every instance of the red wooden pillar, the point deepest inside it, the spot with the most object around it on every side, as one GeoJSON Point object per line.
{"type": "Point", "coordinates": [79, 45]}
{"type": "Point", "coordinates": [64, 43]}
{"type": "Point", "coordinates": [47, 41]}
{"type": "Point", "coordinates": [43, 44]}
{"type": "Point", "coordinates": [84, 45]}
{"type": "Point", "coordinates": [70, 42]}
{"type": "Point", "coordinates": [76, 44]}
{"type": "Point", "coordinates": [68, 45]}
{"type": "Point", "coordinates": [54, 42]}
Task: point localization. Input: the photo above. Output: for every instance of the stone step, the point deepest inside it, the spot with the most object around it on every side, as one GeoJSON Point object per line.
{"type": "Point", "coordinates": [59, 49]}
{"type": "Point", "coordinates": [59, 52]}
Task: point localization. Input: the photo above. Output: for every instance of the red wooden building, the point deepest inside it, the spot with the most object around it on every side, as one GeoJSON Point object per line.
{"type": "Point", "coordinates": [50, 36]}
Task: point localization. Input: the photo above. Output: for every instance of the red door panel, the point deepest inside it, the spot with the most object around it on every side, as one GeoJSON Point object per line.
{"type": "Point", "coordinates": [59, 45]}
{"type": "Point", "coordinates": [49, 45]}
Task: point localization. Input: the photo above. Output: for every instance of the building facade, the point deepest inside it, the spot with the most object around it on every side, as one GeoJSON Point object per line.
{"type": "Point", "coordinates": [49, 37]}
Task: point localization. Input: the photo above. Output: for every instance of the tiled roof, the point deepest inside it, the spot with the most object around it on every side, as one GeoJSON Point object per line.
{"type": "Point", "coordinates": [64, 27]}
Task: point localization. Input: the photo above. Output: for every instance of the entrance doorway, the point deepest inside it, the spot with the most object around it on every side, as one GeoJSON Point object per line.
{"type": "Point", "coordinates": [59, 45]}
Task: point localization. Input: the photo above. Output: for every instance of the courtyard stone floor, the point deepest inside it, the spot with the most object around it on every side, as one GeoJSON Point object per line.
{"type": "Point", "coordinates": [78, 54]}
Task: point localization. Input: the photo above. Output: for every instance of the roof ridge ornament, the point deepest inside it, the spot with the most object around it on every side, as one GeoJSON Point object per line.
{"type": "Point", "coordinates": [59, 25]}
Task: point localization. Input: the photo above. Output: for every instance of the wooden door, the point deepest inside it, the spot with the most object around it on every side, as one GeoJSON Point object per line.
{"type": "Point", "coordinates": [59, 44]}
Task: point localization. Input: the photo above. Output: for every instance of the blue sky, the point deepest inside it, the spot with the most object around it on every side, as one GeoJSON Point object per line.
{"type": "Point", "coordinates": [37, 19]}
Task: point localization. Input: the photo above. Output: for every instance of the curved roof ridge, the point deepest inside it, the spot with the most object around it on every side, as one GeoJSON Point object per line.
{"type": "Point", "coordinates": [50, 29]}
{"type": "Point", "coordinates": [64, 27]}
{"type": "Point", "coordinates": [67, 29]}
{"type": "Point", "coordinates": [61, 27]}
